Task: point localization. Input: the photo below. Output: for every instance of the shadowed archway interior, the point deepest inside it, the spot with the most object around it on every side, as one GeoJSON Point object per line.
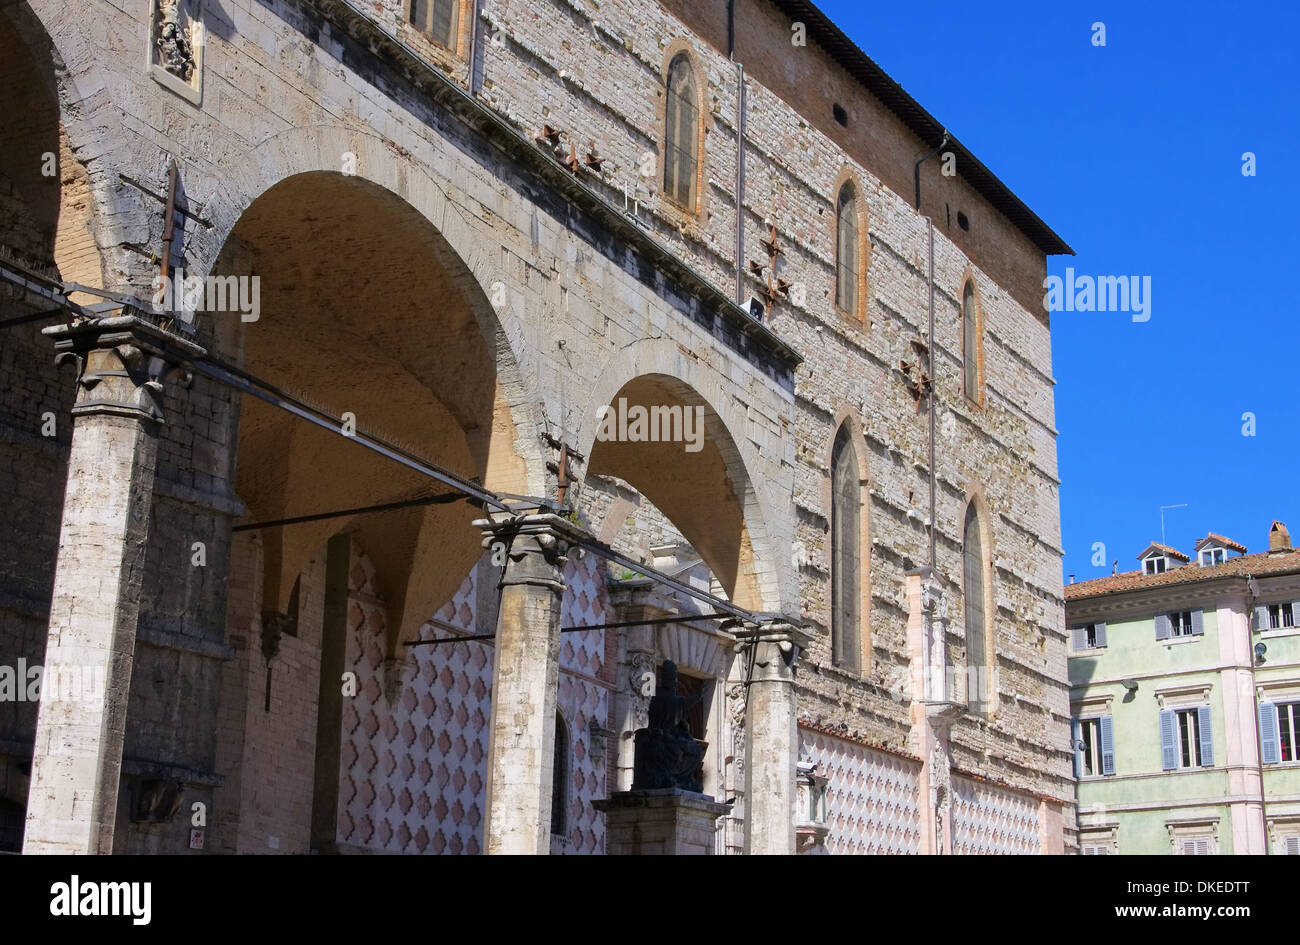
{"type": "Point", "coordinates": [366, 313]}
{"type": "Point", "coordinates": [702, 492]}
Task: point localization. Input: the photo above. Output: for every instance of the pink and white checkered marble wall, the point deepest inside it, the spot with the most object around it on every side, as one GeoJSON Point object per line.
{"type": "Point", "coordinates": [873, 798]}
{"type": "Point", "coordinates": [989, 820]}
{"type": "Point", "coordinates": [412, 776]}
{"type": "Point", "coordinates": [584, 701]}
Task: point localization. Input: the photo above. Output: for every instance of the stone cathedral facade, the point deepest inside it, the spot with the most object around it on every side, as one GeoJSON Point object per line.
{"type": "Point", "coordinates": [512, 318]}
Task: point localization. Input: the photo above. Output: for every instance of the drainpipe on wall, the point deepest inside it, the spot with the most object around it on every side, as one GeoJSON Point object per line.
{"type": "Point", "coordinates": [473, 49]}
{"type": "Point", "coordinates": [916, 172]}
{"type": "Point", "coordinates": [1252, 596]}
{"type": "Point", "coordinates": [740, 153]}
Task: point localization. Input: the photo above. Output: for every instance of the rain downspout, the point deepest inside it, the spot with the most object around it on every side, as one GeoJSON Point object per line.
{"type": "Point", "coordinates": [930, 346]}
{"type": "Point", "coordinates": [740, 153]}
{"type": "Point", "coordinates": [475, 32]}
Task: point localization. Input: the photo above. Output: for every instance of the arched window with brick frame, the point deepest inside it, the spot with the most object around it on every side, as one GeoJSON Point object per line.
{"type": "Point", "coordinates": [847, 249]}
{"type": "Point", "coordinates": [970, 342]}
{"type": "Point", "coordinates": [682, 134]}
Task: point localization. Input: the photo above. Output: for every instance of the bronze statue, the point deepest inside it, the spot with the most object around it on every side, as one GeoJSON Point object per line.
{"type": "Point", "coordinates": [667, 754]}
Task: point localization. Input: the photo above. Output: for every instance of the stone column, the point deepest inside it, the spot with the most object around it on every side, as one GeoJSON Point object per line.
{"type": "Point", "coordinates": [772, 737]}
{"type": "Point", "coordinates": [81, 726]}
{"type": "Point", "coordinates": [531, 550]}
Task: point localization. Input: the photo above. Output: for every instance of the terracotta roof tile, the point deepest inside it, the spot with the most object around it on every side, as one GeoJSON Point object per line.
{"type": "Point", "coordinates": [1259, 564]}
{"type": "Point", "coordinates": [1220, 540]}
{"type": "Point", "coordinates": [1172, 552]}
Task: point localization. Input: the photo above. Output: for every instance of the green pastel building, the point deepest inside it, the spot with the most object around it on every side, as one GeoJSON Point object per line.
{"type": "Point", "coordinates": [1185, 701]}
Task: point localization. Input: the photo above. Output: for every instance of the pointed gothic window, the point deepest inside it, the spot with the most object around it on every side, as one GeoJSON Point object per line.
{"type": "Point", "coordinates": [846, 570]}
{"type": "Point", "coordinates": [846, 250]}
{"type": "Point", "coordinates": [681, 134]}
{"type": "Point", "coordinates": [970, 343]}
{"type": "Point", "coordinates": [973, 592]}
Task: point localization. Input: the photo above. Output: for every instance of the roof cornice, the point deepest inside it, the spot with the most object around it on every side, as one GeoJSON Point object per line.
{"type": "Point", "coordinates": [925, 126]}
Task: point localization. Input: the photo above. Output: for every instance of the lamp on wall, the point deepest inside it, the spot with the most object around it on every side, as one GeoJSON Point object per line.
{"type": "Point", "coordinates": [1129, 684]}
{"type": "Point", "coordinates": [1260, 650]}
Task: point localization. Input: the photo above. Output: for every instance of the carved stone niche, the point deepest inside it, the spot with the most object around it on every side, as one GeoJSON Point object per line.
{"type": "Point", "coordinates": [174, 50]}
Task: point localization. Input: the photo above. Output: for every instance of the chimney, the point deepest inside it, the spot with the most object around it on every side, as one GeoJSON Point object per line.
{"type": "Point", "coordinates": [1279, 539]}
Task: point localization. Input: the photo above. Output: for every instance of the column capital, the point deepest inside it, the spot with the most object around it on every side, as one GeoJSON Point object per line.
{"type": "Point", "coordinates": [122, 362]}
{"type": "Point", "coordinates": [777, 645]}
{"type": "Point", "coordinates": [533, 547]}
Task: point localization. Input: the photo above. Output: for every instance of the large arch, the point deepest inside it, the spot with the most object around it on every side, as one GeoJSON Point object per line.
{"type": "Point", "coordinates": [472, 264]}
{"type": "Point", "coordinates": [364, 311]}
{"type": "Point", "coordinates": [710, 496]}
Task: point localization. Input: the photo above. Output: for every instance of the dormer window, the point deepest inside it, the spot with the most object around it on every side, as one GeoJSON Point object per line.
{"type": "Point", "coordinates": [1213, 550]}
{"type": "Point", "coordinates": [1157, 558]}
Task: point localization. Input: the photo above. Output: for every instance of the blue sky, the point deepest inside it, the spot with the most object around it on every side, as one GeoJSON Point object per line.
{"type": "Point", "coordinates": [1133, 153]}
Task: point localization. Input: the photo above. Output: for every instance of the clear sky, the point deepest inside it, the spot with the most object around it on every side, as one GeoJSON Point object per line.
{"type": "Point", "coordinates": [1132, 152]}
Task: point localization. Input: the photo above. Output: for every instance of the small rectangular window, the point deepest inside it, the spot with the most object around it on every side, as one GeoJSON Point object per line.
{"type": "Point", "coordinates": [1090, 734]}
{"type": "Point", "coordinates": [1189, 739]}
{"type": "Point", "coordinates": [1281, 616]}
{"type": "Point", "coordinates": [1180, 623]}
{"type": "Point", "coordinates": [1088, 636]}
{"type": "Point", "coordinates": [1154, 566]}
{"type": "Point", "coordinates": [1288, 728]}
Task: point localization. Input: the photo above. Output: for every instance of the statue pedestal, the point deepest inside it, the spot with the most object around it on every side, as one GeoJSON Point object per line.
{"type": "Point", "coordinates": [669, 822]}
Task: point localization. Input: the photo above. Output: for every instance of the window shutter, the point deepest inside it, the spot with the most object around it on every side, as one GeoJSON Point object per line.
{"type": "Point", "coordinates": [1268, 733]}
{"type": "Point", "coordinates": [1261, 616]}
{"type": "Point", "coordinates": [1101, 633]}
{"type": "Point", "coordinates": [1107, 745]}
{"type": "Point", "coordinates": [1198, 622]}
{"type": "Point", "coordinates": [1292, 846]}
{"type": "Point", "coordinates": [1162, 626]}
{"type": "Point", "coordinates": [1168, 740]}
{"type": "Point", "coordinates": [1077, 729]}
{"type": "Point", "coordinates": [1206, 732]}
{"type": "Point", "coordinates": [1079, 638]}
{"type": "Point", "coordinates": [1295, 613]}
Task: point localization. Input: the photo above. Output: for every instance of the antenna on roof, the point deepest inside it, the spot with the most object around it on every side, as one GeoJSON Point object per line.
{"type": "Point", "coordinates": [1162, 518]}
{"type": "Point", "coordinates": [1114, 568]}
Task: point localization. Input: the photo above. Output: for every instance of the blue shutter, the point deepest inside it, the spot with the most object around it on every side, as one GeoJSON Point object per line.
{"type": "Point", "coordinates": [1261, 616]}
{"type": "Point", "coordinates": [1207, 736]}
{"type": "Point", "coordinates": [1077, 731]}
{"type": "Point", "coordinates": [1198, 622]}
{"type": "Point", "coordinates": [1107, 745]}
{"type": "Point", "coordinates": [1101, 633]}
{"type": "Point", "coordinates": [1268, 733]}
{"type": "Point", "coordinates": [1162, 626]}
{"type": "Point", "coordinates": [1295, 613]}
{"type": "Point", "coordinates": [1078, 639]}
{"type": "Point", "coordinates": [1168, 740]}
